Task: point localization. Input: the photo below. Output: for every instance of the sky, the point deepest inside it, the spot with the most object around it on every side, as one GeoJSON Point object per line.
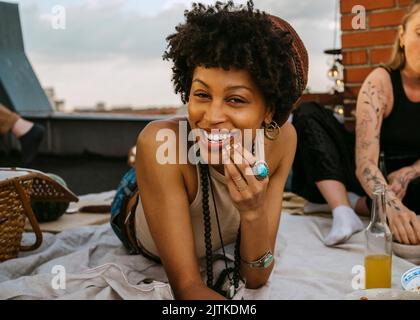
{"type": "Point", "coordinates": [111, 50]}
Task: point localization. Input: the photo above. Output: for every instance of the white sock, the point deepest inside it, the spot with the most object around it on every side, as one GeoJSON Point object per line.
{"type": "Point", "coordinates": [353, 198]}
{"type": "Point", "coordinates": [311, 207]}
{"type": "Point", "coordinates": [345, 224]}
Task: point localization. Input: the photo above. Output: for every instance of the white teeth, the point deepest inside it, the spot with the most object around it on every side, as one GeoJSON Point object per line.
{"type": "Point", "coordinates": [216, 137]}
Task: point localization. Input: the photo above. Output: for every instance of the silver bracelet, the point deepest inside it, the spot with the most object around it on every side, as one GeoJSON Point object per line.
{"type": "Point", "coordinates": [264, 262]}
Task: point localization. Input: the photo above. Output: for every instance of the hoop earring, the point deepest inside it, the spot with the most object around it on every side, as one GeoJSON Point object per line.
{"type": "Point", "coordinates": [271, 130]}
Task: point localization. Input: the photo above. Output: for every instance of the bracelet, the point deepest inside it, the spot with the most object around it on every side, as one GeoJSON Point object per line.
{"type": "Point", "coordinates": [264, 262]}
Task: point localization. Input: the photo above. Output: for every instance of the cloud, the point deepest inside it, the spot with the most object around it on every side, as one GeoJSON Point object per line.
{"type": "Point", "coordinates": [95, 32]}
{"type": "Point", "coordinates": [111, 49]}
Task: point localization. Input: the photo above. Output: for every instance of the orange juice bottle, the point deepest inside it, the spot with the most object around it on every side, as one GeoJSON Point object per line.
{"type": "Point", "coordinates": [378, 256]}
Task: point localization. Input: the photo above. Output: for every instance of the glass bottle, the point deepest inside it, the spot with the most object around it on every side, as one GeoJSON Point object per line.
{"type": "Point", "coordinates": [378, 256]}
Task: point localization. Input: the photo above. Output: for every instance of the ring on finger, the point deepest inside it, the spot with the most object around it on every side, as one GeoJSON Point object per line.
{"type": "Point", "coordinates": [238, 178]}
{"type": "Point", "coordinates": [260, 170]}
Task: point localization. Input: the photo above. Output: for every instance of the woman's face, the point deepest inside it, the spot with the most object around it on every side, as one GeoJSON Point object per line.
{"type": "Point", "coordinates": [221, 101]}
{"type": "Point", "coordinates": [411, 41]}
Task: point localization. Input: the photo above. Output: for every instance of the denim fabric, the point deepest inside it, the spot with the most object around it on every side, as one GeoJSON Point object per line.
{"type": "Point", "coordinates": [125, 190]}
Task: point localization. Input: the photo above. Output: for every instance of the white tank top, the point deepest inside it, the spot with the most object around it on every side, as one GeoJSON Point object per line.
{"type": "Point", "coordinates": [228, 217]}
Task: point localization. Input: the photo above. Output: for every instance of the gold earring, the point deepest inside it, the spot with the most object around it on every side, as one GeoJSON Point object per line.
{"type": "Point", "coordinates": [271, 130]}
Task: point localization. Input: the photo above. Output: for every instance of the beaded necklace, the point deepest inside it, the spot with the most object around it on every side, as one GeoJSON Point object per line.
{"type": "Point", "coordinates": [234, 281]}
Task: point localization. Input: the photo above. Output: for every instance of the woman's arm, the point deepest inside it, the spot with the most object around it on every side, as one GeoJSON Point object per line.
{"type": "Point", "coordinates": [166, 207]}
{"type": "Point", "coordinates": [259, 223]}
{"type": "Point", "coordinates": [373, 104]}
{"type": "Point", "coordinates": [400, 179]}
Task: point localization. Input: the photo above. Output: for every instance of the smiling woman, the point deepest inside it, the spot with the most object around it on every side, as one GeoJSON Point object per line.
{"type": "Point", "coordinates": [240, 71]}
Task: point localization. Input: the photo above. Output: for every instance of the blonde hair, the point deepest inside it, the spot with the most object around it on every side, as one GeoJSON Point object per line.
{"type": "Point", "coordinates": [397, 61]}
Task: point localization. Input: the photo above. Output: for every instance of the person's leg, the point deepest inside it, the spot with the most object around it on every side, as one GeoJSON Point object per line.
{"type": "Point", "coordinates": [30, 141]}
{"type": "Point", "coordinates": [345, 222]}
{"type": "Point", "coordinates": [21, 127]}
{"type": "Point", "coordinates": [8, 120]}
{"type": "Point", "coordinates": [334, 192]}
{"type": "Point", "coordinates": [29, 134]}
{"type": "Point", "coordinates": [321, 155]}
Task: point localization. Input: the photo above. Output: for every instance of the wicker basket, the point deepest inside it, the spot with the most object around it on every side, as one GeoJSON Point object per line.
{"type": "Point", "coordinates": [17, 188]}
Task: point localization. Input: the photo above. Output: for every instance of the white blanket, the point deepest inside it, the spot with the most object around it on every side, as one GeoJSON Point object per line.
{"type": "Point", "coordinates": [98, 267]}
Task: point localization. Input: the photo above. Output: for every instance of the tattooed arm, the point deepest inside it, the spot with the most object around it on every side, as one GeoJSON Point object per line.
{"type": "Point", "coordinates": [400, 179]}
{"type": "Point", "coordinates": [373, 105]}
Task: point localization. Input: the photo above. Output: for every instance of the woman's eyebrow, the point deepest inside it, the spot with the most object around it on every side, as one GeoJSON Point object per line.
{"type": "Point", "coordinates": [238, 87]}
{"type": "Point", "coordinates": [202, 82]}
{"type": "Point", "coordinates": [227, 89]}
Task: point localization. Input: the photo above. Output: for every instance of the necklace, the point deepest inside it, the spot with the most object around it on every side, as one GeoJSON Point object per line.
{"type": "Point", "coordinates": [234, 281]}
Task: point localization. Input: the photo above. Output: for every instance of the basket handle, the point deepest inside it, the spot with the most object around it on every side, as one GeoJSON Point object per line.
{"type": "Point", "coordinates": [29, 213]}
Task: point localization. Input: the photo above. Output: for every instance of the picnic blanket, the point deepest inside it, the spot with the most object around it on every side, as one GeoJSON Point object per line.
{"type": "Point", "coordinates": [97, 266]}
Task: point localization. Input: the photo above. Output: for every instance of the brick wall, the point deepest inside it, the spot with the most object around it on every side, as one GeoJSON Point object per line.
{"type": "Point", "coordinates": [365, 49]}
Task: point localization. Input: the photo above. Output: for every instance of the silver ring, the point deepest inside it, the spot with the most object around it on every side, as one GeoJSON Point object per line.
{"type": "Point", "coordinates": [260, 170]}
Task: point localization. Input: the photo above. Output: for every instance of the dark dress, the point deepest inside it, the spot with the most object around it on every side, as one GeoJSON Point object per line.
{"type": "Point", "coordinates": [326, 150]}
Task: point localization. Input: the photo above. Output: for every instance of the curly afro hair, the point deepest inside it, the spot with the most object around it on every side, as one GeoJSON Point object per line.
{"type": "Point", "coordinates": [229, 36]}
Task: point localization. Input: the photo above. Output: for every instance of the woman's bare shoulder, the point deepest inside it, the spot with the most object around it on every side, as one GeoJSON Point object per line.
{"type": "Point", "coordinates": [379, 81]}
{"type": "Point", "coordinates": [283, 148]}
{"type": "Point", "coordinates": [380, 76]}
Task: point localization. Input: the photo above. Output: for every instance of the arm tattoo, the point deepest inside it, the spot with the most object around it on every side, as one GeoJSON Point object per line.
{"type": "Point", "coordinates": [372, 176]}
{"type": "Point", "coordinates": [377, 106]}
{"type": "Point", "coordinates": [391, 201]}
{"type": "Point", "coordinates": [373, 98]}
{"type": "Point", "coordinates": [367, 138]}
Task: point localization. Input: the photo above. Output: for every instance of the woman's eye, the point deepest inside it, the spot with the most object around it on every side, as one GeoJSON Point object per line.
{"type": "Point", "coordinates": [201, 95]}
{"type": "Point", "coordinates": [236, 100]}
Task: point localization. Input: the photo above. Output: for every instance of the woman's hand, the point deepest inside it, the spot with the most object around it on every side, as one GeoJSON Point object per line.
{"type": "Point", "coordinates": [404, 224]}
{"type": "Point", "coordinates": [247, 193]}
{"type": "Point", "coordinates": [400, 179]}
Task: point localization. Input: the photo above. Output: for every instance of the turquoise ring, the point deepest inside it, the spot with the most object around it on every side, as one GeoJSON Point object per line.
{"type": "Point", "coordinates": [260, 170]}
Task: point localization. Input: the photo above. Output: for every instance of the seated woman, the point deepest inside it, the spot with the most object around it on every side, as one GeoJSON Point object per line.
{"type": "Point", "coordinates": [328, 168]}
{"type": "Point", "coordinates": [236, 68]}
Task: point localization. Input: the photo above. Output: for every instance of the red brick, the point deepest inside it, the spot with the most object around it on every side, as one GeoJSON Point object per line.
{"type": "Point", "coordinates": [380, 55]}
{"type": "Point", "coordinates": [354, 57]}
{"type": "Point", "coordinates": [369, 38]}
{"type": "Point", "coordinates": [352, 92]}
{"type": "Point", "coordinates": [386, 19]}
{"type": "Point", "coordinates": [356, 75]}
{"type": "Point", "coordinates": [347, 5]}
{"type": "Point", "coordinates": [346, 23]}
{"type": "Point", "coordinates": [405, 2]}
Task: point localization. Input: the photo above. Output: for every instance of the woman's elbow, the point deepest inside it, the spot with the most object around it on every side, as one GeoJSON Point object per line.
{"type": "Point", "coordinates": [256, 285]}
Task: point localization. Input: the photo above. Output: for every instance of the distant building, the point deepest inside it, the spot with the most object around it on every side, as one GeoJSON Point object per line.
{"type": "Point", "coordinates": [100, 107]}
{"type": "Point", "coordinates": [58, 104]}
